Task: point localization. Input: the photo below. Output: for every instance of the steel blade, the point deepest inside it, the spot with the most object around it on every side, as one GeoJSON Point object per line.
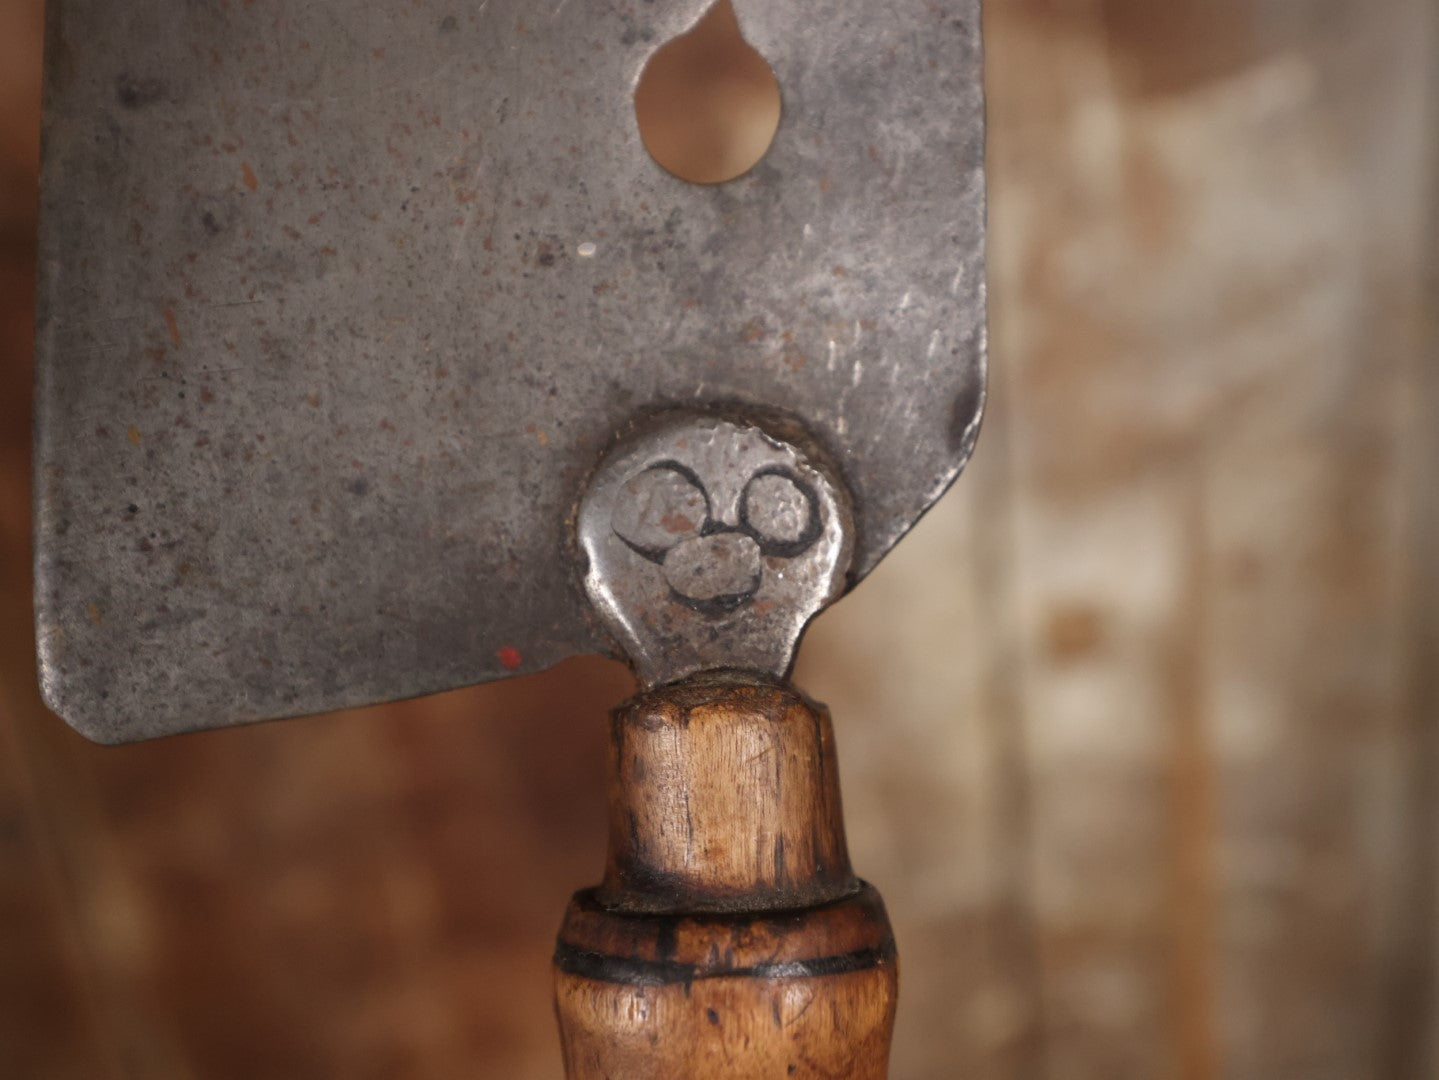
{"type": "Point", "coordinates": [341, 302]}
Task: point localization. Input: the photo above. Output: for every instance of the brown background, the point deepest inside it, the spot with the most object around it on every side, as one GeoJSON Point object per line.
{"type": "Point", "coordinates": [1137, 731]}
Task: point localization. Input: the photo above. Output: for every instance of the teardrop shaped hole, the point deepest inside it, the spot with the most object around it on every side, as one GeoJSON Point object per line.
{"type": "Point", "coordinates": [707, 103]}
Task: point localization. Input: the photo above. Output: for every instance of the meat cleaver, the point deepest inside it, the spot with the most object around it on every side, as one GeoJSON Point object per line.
{"type": "Point", "coordinates": [377, 356]}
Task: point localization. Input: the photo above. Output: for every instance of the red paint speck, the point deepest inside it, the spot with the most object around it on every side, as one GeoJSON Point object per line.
{"type": "Point", "coordinates": [510, 658]}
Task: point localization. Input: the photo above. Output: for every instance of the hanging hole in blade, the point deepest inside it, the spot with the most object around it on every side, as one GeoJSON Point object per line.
{"type": "Point", "coordinates": [708, 104]}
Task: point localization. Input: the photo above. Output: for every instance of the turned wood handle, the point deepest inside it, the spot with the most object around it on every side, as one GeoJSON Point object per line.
{"type": "Point", "coordinates": [729, 939]}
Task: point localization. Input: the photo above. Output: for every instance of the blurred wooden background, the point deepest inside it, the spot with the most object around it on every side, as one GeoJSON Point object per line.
{"type": "Point", "coordinates": [1138, 730]}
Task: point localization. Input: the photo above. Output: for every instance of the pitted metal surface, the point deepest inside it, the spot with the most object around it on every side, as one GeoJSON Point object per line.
{"type": "Point", "coordinates": [711, 543]}
{"type": "Point", "coordinates": [340, 302]}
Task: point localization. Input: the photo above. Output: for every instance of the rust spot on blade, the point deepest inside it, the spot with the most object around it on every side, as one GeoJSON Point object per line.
{"type": "Point", "coordinates": [677, 523]}
{"type": "Point", "coordinates": [133, 435]}
{"type": "Point", "coordinates": [251, 180]}
{"type": "Point", "coordinates": [173, 325]}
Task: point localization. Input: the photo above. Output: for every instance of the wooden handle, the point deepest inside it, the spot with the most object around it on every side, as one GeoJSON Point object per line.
{"type": "Point", "coordinates": [729, 939]}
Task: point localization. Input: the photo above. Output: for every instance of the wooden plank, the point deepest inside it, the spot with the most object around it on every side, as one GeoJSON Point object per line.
{"type": "Point", "coordinates": [1204, 224]}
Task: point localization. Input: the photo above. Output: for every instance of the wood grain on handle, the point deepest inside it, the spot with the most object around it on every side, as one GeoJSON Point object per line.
{"type": "Point", "coordinates": [729, 939]}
